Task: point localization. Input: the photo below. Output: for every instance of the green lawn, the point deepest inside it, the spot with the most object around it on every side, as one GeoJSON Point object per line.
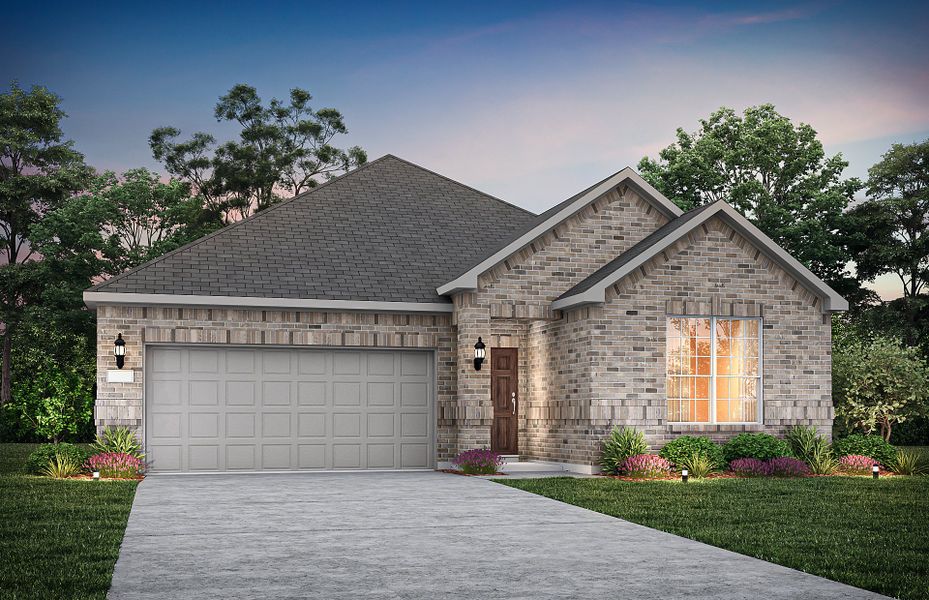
{"type": "Point", "coordinates": [869, 534]}
{"type": "Point", "coordinates": [58, 539]}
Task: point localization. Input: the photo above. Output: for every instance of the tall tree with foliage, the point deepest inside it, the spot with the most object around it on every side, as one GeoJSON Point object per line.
{"type": "Point", "coordinates": [39, 171]}
{"type": "Point", "coordinates": [282, 148]}
{"type": "Point", "coordinates": [124, 221]}
{"type": "Point", "coordinates": [890, 230]}
{"type": "Point", "coordinates": [774, 172]}
{"type": "Point", "coordinates": [877, 383]}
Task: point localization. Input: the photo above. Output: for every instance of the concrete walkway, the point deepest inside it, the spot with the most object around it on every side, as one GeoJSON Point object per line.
{"type": "Point", "coordinates": [414, 535]}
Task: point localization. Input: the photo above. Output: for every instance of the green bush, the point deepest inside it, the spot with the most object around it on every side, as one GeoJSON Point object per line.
{"type": "Point", "coordinates": [683, 448]}
{"type": "Point", "coordinates": [805, 441]}
{"type": "Point", "coordinates": [45, 454]}
{"type": "Point", "coordinates": [61, 466]}
{"type": "Point", "coordinates": [822, 461]}
{"type": "Point", "coordinates": [623, 443]}
{"type": "Point", "coordinates": [761, 446]}
{"type": "Point", "coordinates": [873, 446]}
{"type": "Point", "coordinates": [907, 462]}
{"type": "Point", "coordinates": [698, 465]}
{"type": "Point", "coordinates": [118, 440]}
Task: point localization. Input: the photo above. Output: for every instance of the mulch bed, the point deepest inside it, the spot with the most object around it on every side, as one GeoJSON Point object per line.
{"type": "Point", "coordinates": [89, 477]}
{"type": "Point", "coordinates": [730, 475]}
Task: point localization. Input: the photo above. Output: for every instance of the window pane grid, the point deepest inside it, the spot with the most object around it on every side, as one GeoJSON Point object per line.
{"type": "Point", "coordinates": [713, 369]}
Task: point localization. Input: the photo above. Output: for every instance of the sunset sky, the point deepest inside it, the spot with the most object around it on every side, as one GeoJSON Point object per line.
{"type": "Point", "coordinates": [529, 101]}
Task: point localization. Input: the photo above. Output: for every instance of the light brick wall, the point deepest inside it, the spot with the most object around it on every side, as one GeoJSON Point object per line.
{"type": "Point", "coordinates": [512, 308]}
{"type": "Point", "coordinates": [714, 271]}
{"type": "Point", "coordinates": [121, 403]}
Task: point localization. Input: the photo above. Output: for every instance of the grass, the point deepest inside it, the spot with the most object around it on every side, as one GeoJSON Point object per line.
{"type": "Point", "coordinates": [58, 538]}
{"type": "Point", "coordinates": [866, 533]}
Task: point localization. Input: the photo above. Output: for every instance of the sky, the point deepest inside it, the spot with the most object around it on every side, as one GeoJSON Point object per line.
{"type": "Point", "coordinates": [528, 101]}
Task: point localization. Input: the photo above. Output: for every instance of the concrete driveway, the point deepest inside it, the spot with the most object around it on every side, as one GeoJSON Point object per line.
{"type": "Point", "coordinates": [414, 535]}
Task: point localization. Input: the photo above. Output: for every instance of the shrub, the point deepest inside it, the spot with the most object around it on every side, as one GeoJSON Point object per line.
{"type": "Point", "coordinates": [804, 441]}
{"type": "Point", "coordinates": [698, 465]}
{"type": "Point", "coordinates": [478, 462]}
{"type": "Point", "coordinates": [755, 445]}
{"type": "Point", "coordinates": [684, 447]}
{"type": "Point", "coordinates": [118, 440]}
{"type": "Point", "coordinates": [907, 462]}
{"type": "Point", "coordinates": [787, 466]}
{"type": "Point", "coordinates": [823, 461]}
{"type": "Point", "coordinates": [645, 466]}
{"type": "Point", "coordinates": [865, 445]}
{"type": "Point", "coordinates": [61, 466]}
{"type": "Point", "coordinates": [115, 464]}
{"type": "Point", "coordinates": [750, 467]}
{"type": "Point", "coordinates": [856, 463]}
{"type": "Point", "coordinates": [44, 454]}
{"type": "Point", "coordinates": [621, 444]}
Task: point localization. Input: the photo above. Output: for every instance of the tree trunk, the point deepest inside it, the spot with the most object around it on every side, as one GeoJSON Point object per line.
{"type": "Point", "coordinates": [885, 430]}
{"type": "Point", "coordinates": [5, 392]}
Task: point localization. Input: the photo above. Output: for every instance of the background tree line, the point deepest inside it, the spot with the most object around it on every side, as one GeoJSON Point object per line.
{"type": "Point", "coordinates": [63, 226]}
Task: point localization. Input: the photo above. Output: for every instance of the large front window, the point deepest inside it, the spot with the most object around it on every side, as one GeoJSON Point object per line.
{"type": "Point", "coordinates": [714, 372]}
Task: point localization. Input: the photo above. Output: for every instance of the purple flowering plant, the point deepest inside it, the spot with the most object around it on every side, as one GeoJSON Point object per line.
{"type": "Point", "coordinates": [750, 467]}
{"type": "Point", "coordinates": [787, 466]}
{"type": "Point", "coordinates": [478, 462]}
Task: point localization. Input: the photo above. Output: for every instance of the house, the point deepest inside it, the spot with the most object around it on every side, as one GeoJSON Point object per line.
{"type": "Point", "coordinates": [338, 330]}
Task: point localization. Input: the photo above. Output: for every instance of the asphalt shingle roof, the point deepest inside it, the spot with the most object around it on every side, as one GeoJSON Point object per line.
{"type": "Point", "coordinates": [638, 249]}
{"type": "Point", "coordinates": [389, 231]}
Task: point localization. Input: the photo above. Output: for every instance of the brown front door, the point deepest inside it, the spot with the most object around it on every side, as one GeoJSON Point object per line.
{"type": "Point", "coordinates": [504, 386]}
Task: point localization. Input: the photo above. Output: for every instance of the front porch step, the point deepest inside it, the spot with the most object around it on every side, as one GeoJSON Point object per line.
{"type": "Point", "coordinates": [528, 466]}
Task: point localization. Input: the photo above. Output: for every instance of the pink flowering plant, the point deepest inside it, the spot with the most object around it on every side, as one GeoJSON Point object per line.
{"type": "Point", "coordinates": [115, 465]}
{"type": "Point", "coordinates": [856, 463]}
{"type": "Point", "coordinates": [645, 466]}
{"type": "Point", "coordinates": [478, 462]}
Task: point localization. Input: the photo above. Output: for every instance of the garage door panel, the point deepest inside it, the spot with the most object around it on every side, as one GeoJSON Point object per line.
{"type": "Point", "coordinates": [240, 393]}
{"type": "Point", "coordinates": [311, 424]}
{"type": "Point", "coordinates": [203, 393]}
{"type": "Point", "coordinates": [204, 361]}
{"type": "Point", "coordinates": [311, 393]}
{"type": "Point", "coordinates": [276, 393]}
{"type": "Point", "coordinates": [346, 393]}
{"type": "Point", "coordinates": [215, 409]}
{"type": "Point", "coordinates": [240, 425]}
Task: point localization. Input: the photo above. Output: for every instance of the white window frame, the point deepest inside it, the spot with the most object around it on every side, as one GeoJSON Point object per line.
{"type": "Point", "coordinates": [713, 421]}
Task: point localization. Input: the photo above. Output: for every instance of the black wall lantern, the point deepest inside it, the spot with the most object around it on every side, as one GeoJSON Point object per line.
{"type": "Point", "coordinates": [479, 354]}
{"type": "Point", "coordinates": [119, 351]}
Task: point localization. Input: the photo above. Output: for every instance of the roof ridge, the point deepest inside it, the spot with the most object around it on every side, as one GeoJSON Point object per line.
{"type": "Point", "coordinates": [458, 183]}
{"type": "Point", "coordinates": [230, 226]}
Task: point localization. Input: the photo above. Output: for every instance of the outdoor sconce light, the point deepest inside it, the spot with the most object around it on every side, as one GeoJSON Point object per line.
{"type": "Point", "coordinates": [119, 351]}
{"type": "Point", "coordinates": [684, 475]}
{"type": "Point", "coordinates": [479, 354]}
{"type": "Point", "coordinates": [875, 471]}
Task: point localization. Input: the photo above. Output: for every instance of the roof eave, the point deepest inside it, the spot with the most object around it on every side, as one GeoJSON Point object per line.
{"type": "Point", "coordinates": [832, 301]}
{"type": "Point", "coordinates": [468, 281]}
{"type": "Point", "coordinates": [93, 299]}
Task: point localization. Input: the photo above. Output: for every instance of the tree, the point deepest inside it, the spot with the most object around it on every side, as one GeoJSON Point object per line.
{"type": "Point", "coordinates": [890, 232]}
{"type": "Point", "coordinates": [38, 172]}
{"type": "Point", "coordinates": [122, 222]}
{"type": "Point", "coordinates": [878, 383]}
{"type": "Point", "coordinates": [282, 148]}
{"type": "Point", "coordinates": [775, 173]}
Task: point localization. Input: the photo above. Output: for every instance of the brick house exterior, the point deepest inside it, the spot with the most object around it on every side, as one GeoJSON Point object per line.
{"type": "Point", "coordinates": [583, 292]}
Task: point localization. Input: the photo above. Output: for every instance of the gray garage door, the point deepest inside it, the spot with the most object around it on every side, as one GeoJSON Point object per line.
{"type": "Point", "coordinates": [225, 409]}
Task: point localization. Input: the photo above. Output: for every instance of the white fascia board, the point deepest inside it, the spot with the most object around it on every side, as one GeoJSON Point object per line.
{"type": "Point", "coordinates": [832, 301]}
{"type": "Point", "coordinates": [468, 280]}
{"type": "Point", "coordinates": [92, 299]}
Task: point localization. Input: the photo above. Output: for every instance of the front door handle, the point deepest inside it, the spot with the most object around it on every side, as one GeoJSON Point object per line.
{"type": "Point", "coordinates": [513, 400]}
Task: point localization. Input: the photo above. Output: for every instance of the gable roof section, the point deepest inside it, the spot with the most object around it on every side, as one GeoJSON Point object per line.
{"type": "Point", "coordinates": [467, 279]}
{"type": "Point", "coordinates": [592, 290]}
{"type": "Point", "coordinates": [381, 237]}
